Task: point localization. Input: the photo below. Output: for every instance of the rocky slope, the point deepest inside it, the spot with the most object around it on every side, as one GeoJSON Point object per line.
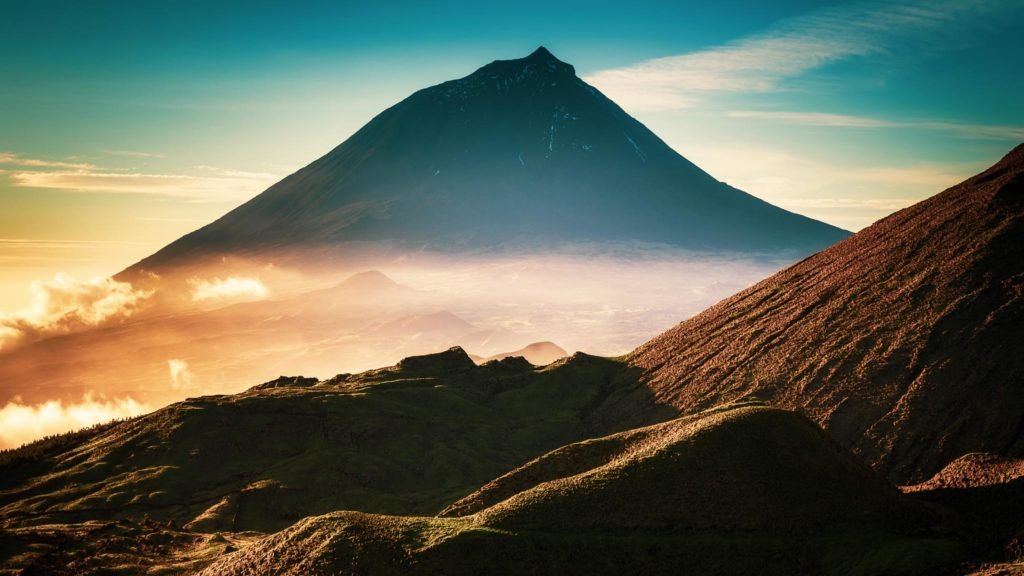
{"type": "Point", "coordinates": [902, 341]}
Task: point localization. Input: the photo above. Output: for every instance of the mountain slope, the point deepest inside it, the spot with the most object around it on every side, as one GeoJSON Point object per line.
{"type": "Point", "coordinates": [521, 152]}
{"type": "Point", "coordinates": [902, 341]}
{"type": "Point", "coordinates": [743, 489]}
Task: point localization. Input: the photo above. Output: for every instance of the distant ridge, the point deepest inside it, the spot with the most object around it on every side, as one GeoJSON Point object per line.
{"type": "Point", "coordinates": [519, 153]}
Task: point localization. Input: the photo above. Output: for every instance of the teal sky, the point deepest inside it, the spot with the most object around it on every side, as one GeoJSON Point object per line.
{"type": "Point", "coordinates": [126, 124]}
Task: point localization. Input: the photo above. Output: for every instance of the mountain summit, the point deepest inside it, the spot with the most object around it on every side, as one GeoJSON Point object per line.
{"type": "Point", "coordinates": [519, 153]}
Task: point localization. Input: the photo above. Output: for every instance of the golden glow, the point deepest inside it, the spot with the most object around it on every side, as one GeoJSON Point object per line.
{"type": "Point", "coordinates": [166, 338]}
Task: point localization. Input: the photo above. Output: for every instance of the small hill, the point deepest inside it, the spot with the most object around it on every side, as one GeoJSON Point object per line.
{"type": "Point", "coordinates": [369, 289]}
{"type": "Point", "coordinates": [744, 489]}
{"type": "Point", "coordinates": [902, 341]}
{"type": "Point", "coordinates": [538, 354]}
{"type": "Point", "coordinates": [984, 496]}
{"type": "Point", "coordinates": [370, 281]}
{"type": "Point", "coordinates": [974, 471]}
{"type": "Point", "coordinates": [748, 469]}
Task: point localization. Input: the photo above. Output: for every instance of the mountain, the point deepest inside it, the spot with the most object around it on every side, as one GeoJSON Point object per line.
{"type": "Point", "coordinates": [519, 153]}
{"type": "Point", "coordinates": [741, 489]}
{"type": "Point", "coordinates": [538, 354]}
{"type": "Point", "coordinates": [364, 293]}
{"type": "Point", "coordinates": [902, 341]}
{"type": "Point", "coordinates": [364, 289]}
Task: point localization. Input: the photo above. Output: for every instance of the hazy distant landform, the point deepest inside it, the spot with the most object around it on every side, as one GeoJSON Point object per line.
{"type": "Point", "coordinates": [857, 413]}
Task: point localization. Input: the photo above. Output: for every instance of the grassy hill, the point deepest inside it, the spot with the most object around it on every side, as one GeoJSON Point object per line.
{"type": "Point", "coordinates": [409, 439]}
{"type": "Point", "coordinates": [742, 489]}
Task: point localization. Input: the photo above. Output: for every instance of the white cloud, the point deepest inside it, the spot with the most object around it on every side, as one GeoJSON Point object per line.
{"type": "Point", "coordinates": [181, 376]}
{"type": "Point", "coordinates": [17, 160]}
{"type": "Point", "coordinates": [762, 63]}
{"type": "Point", "coordinates": [212, 184]}
{"type": "Point", "coordinates": [984, 131]}
{"type": "Point", "coordinates": [65, 305]}
{"type": "Point", "coordinates": [135, 154]}
{"type": "Point", "coordinates": [228, 187]}
{"type": "Point", "coordinates": [231, 288]}
{"type": "Point", "coordinates": [21, 423]}
{"type": "Point", "coordinates": [814, 119]}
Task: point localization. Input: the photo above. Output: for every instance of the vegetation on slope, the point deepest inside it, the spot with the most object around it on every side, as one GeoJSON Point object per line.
{"type": "Point", "coordinates": [403, 440]}
{"type": "Point", "coordinates": [743, 489]}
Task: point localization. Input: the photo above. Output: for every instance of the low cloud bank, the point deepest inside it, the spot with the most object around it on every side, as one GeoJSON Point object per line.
{"type": "Point", "coordinates": [65, 305]}
{"type": "Point", "coordinates": [231, 288]}
{"type": "Point", "coordinates": [22, 423]}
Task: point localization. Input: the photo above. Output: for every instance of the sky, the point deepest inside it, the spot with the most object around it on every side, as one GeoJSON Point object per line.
{"type": "Point", "coordinates": [124, 125]}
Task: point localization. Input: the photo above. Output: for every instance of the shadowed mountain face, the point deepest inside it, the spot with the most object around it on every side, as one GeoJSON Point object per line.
{"type": "Point", "coordinates": [519, 153]}
{"type": "Point", "coordinates": [902, 341]}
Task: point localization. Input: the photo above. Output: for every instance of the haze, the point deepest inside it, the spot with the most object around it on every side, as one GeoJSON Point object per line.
{"type": "Point", "coordinates": [96, 350]}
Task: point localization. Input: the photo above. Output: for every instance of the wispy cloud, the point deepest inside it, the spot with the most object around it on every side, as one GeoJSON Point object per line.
{"type": "Point", "coordinates": [762, 63]}
{"type": "Point", "coordinates": [815, 119]}
{"type": "Point", "coordinates": [222, 171]}
{"type": "Point", "coordinates": [135, 154]}
{"type": "Point", "coordinates": [162, 219]}
{"type": "Point", "coordinates": [210, 185]}
{"type": "Point", "coordinates": [12, 159]}
{"type": "Point", "coordinates": [982, 131]}
{"type": "Point", "coordinates": [216, 188]}
{"type": "Point", "coordinates": [55, 243]}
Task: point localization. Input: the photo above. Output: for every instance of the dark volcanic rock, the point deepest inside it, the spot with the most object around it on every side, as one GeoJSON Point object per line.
{"type": "Point", "coordinates": [451, 361]}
